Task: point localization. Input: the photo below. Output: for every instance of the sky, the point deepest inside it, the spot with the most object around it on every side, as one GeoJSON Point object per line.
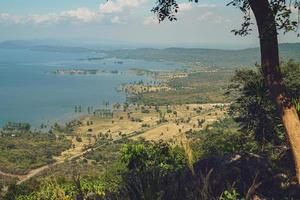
{"type": "Point", "coordinates": [207, 23]}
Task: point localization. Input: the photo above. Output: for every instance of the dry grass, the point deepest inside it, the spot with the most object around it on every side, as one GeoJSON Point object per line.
{"type": "Point", "coordinates": [179, 120]}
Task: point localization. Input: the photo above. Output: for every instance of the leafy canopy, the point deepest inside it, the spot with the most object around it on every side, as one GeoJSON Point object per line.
{"type": "Point", "coordinates": [141, 157]}
{"type": "Point", "coordinates": [282, 10]}
{"type": "Point", "coordinates": [253, 107]}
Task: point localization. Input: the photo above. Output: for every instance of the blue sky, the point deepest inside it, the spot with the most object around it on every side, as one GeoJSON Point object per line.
{"type": "Point", "coordinates": [206, 24]}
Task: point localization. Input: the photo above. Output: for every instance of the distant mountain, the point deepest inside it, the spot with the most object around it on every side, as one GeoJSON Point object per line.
{"type": "Point", "coordinates": [16, 44]}
{"type": "Point", "coordinates": [211, 57]}
{"type": "Point", "coordinates": [207, 57]}
{"type": "Point", "coordinates": [44, 45]}
{"type": "Point", "coordinates": [62, 49]}
{"type": "Point", "coordinates": [25, 44]}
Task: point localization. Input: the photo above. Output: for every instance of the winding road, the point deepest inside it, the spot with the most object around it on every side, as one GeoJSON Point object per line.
{"type": "Point", "coordinates": [37, 171]}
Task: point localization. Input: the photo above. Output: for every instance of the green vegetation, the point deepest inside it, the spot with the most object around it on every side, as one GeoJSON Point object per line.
{"type": "Point", "coordinates": [206, 57]}
{"type": "Point", "coordinates": [143, 72]}
{"type": "Point", "coordinates": [5, 181]}
{"type": "Point", "coordinates": [253, 108]}
{"type": "Point", "coordinates": [244, 156]}
{"type": "Point", "coordinates": [16, 127]}
{"type": "Point", "coordinates": [140, 157]}
{"type": "Point", "coordinates": [200, 87]}
{"type": "Point", "coordinates": [132, 160]}
{"type": "Point", "coordinates": [239, 157]}
{"type": "Point", "coordinates": [65, 129]}
{"type": "Point", "coordinates": [25, 150]}
{"type": "Point", "coordinates": [222, 137]}
{"type": "Point", "coordinates": [254, 126]}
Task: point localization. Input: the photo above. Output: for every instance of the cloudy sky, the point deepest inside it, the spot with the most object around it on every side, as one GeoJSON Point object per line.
{"type": "Point", "coordinates": [205, 24]}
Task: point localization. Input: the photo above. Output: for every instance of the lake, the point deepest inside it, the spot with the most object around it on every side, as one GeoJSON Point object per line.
{"type": "Point", "coordinates": [30, 91]}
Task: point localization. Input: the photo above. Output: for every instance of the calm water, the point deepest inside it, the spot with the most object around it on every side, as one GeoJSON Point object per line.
{"type": "Point", "coordinates": [30, 92]}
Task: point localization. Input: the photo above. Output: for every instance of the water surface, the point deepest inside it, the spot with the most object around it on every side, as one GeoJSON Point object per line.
{"type": "Point", "coordinates": [31, 92]}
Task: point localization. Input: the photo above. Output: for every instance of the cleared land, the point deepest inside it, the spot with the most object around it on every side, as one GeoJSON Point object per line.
{"type": "Point", "coordinates": [153, 122]}
{"type": "Point", "coordinates": [195, 87]}
{"type": "Point", "coordinates": [167, 123]}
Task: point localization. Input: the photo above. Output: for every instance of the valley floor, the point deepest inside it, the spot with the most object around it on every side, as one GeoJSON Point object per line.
{"type": "Point", "coordinates": [153, 123]}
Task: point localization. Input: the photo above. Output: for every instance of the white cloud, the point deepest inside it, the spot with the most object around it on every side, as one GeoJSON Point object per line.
{"type": "Point", "coordinates": [205, 16]}
{"type": "Point", "coordinates": [150, 20]}
{"type": "Point", "coordinates": [184, 9]}
{"type": "Point", "coordinates": [40, 19]}
{"type": "Point", "coordinates": [189, 6]}
{"type": "Point", "coordinates": [8, 18]}
{"type": "Point", "coordinates": [185, 6]}
{"type": "Point", "coordinates": [206, 5]}
{"type": "Point", "coordinates": [112, 11]}
{"type": "Point", "coordinates": [79, 15]}
{"type": "Point", "coordinates": [116, 20]}
{"type": "Point", "coordinates": [106, 12]}
{"type": "Point", "coordinates": [212, 18]}
{"type": "Point", "coordinates": [119, 6]}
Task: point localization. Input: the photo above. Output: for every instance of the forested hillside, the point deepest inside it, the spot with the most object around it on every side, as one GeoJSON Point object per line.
{"type": "Point", "coordinates": [212, 57]}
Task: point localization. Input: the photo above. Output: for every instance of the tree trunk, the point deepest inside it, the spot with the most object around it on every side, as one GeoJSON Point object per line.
{"type": "Point", "coordinates": [265, 19]}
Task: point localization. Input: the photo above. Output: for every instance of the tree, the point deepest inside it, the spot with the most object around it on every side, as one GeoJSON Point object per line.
{"type": "Point", "coordinates": [271, 16]}
{"type": "Point", "coordinates": [253, 108]}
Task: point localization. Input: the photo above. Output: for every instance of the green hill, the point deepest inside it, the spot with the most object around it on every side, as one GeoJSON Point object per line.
{"type": "Point", "coordinates": [211, 57]}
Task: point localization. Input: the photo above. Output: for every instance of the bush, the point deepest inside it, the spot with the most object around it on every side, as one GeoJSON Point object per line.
{"type": "Point", "coordinates": [253, 107]}
{"type": "Point", "coordinates": [140, 157]}
{"type": "Point", "coordinates": [145, 111]}
{"type": "Point", "coordinates": [222, 137]}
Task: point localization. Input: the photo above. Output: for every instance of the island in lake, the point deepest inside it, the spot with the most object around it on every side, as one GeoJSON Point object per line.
{"type": "Point", "coordinates": [83, 71]}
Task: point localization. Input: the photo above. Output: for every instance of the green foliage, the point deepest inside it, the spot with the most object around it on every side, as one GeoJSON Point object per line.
{"type": "Point", "coordinates": [281, 9]}
{"type": "Point", "coordinates": [20, 152]}
{"type": "Point", "coordinates": [145, 111]}
{"type": "Point", "coordinates": [214, 58]}
{"type": "Point", "coordinates": [297, 106]}
{"type": "Point", "coordinates": [16, 127]}
{"type": "Point", "coordinates": [49, 191]}
{"type": "Point", "coordinates": [154, 169]}
{"type": "Point", "coordinates": [220, 138]}
{"type": "Point", "coordinates": [109, 154]}
{"type": "Point", "coordinates": [77, 188]}
{"type": "Point", "coordinates": [291, 73]}
{"type": "Point", "coordinates": [253, 107]}
{"type": "Point", "coordinates": [230, 195]}
{"type": "Point", "coordinates": [91, 186]}
{"type": "Point", "coordinates": [142, 157]}
{"type": "Point", "coordinates": [67, 128]}
{"type": "Point", "coordinates": [204, 87]}
{"type": "Point", "coordinates": [125, 106]}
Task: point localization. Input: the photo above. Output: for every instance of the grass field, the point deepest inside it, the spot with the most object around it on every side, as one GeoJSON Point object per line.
{"type": "Point", "coordinates": [24, 151]}
{"type": "Point", "coordinates": [199, 87]}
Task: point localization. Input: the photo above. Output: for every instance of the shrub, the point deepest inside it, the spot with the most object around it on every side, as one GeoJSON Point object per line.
{"type": "Point", "coordinates": [222, 137]}
{"type": "Point", "coordinates": [140, 157]}
{"type": "Point", "coordinates": [253, 107]}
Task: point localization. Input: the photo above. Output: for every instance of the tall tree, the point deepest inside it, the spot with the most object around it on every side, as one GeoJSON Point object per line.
{"type": "Point", "coordinates": [271, 16]}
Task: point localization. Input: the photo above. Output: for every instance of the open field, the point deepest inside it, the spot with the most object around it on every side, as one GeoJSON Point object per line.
{"type": "Point", "coordinates": [22, 152]}
{"type": "Point", "coordinates": [152, 122]}
{"type": "Point", "coordinates": [195, 87]}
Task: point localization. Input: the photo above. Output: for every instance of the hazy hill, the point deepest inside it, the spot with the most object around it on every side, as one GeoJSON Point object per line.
{"type": "Point", "coordinates": [207, 57]}
{"type": "Point", "coordinates": [44, 45]}
{"type": "Point", "coordinates": [216, 57]}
